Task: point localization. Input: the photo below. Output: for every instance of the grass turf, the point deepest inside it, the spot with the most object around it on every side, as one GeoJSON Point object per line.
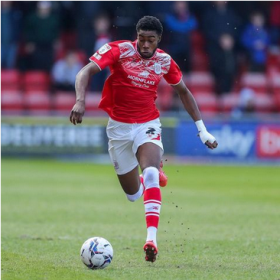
{"type": "Point", "coordinates": [216, 222]}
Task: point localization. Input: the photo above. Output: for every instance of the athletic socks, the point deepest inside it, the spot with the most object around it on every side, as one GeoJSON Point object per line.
{"type": "Point", "coordinates": [134, 197]}
{"type": "Point", "coordinates": [152, 201]}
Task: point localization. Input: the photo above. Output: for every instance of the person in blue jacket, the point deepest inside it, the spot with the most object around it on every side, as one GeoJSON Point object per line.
{"type": "Point", "coordinates": [256, 40]}
{"type": "Point", "coordinates": [180, 23]}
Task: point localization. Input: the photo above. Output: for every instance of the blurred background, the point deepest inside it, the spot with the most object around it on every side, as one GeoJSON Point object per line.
{"type": "Point", "coordinates": [229, 53]}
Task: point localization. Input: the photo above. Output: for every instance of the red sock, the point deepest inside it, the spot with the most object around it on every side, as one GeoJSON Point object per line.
{"type": "Point", "coordinates": [152, 203]}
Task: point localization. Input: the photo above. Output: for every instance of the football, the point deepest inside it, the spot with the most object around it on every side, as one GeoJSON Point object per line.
{"type": "Point", "coordinates": [96, 253]}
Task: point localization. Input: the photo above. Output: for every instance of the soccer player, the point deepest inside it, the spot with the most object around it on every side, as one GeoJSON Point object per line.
{"type": "Point", "coordinates": [134, 128]}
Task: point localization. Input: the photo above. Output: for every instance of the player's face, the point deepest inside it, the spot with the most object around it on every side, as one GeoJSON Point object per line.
{"type": "Point", "coordinates": [147, 43]}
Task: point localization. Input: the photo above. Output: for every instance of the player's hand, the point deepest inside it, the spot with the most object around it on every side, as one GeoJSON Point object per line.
{"type": "Point", "coordinates": [208, 139]}
{"type": "Point", "coordinates": [76, 115]}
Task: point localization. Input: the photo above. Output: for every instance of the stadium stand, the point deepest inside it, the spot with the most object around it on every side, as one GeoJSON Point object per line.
{"type": "Point", "coordinates": [26, 91]}
{"type": "Point", "coordinates": [199, 59]}
{"type": "Point", "coordinates": [12, 101]}
{"type": "Point", "coordinates": [208, 102]}
{"type": "Point", "coordinates": [201, 81]}
{"type": "Point", "coordinates": [36, 81]}
{"type": "Point", "coordinates": [256, 81]}
{"type": "Point", "coordinates": [92, 101]}
{"type": "Point", "coordinates": [63, 101]}
{"type": "Point", "coordinates": [228, 102]}
{"type": "Point", "coordinates": [10, 80]}
{"type": "Point", "coordinates": [37, 101]}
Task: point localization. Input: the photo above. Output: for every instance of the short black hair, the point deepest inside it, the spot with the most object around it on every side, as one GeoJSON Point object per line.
{"type": "Point", "coordinates": [149, 23]}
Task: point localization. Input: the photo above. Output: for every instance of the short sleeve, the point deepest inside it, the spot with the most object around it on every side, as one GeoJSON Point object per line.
{"type": "Point", "coordinates": [107, 55]}
{"type": "Point", "coordinates": [174, 75]}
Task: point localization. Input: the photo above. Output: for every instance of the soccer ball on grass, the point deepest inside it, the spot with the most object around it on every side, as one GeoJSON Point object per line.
{"type": "Point", "coordinates": [96, 253]}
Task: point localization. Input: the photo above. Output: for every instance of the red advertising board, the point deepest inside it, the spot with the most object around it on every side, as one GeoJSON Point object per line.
{"type": "Point", "coordinates": [268, 142]}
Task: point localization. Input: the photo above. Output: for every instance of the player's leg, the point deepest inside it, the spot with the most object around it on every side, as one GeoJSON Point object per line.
{"type": "Point", "coordinates": [131, 184]}
{"type": "Point", "coordinates": [149, 158]}
{"type": "Point", "coordinates": [126, 167]}
{"type": "Point", "coordinates": [149, 150]}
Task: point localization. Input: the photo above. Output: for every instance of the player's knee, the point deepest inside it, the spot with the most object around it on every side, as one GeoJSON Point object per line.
{"type": "Point", "coordinates": [151, 177]}
{"type": "Point", "coordinates": [131, 198]}
{"type": "Point", "coordinates": [134, 197]}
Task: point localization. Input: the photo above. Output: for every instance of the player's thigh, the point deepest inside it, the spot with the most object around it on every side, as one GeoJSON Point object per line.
{"type": "Point", "coordinates": [149, 154]}
{"type": "Point", "coordinates": [148, 144]}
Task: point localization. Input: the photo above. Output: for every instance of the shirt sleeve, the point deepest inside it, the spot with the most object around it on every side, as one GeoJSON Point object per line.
{"type": "Point", "coordinates": [174, 75]}
{"type": "Point", "coordinates": [107, 55]}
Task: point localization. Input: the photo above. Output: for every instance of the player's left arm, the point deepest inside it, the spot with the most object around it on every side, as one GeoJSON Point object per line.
{"type": "Point", "coordinates": [192, 108]}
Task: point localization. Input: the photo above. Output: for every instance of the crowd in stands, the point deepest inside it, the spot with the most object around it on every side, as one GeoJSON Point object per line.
{"type": "Point", "coordinates": [229, 51]}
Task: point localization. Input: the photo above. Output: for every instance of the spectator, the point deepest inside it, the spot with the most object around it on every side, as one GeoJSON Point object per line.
{"type": "Point", "coordinates": [85, 11]}
{"type": "Point", "coordinates": [224, 69]}
{"type": "Point", "coordinates": [246, 103]}
{"type": "Point", "coordinates": [125, 13]}
{"type": "Point", "coordinates": [101, 26]}
{"type": "Point", "coordinates": [41, 33]}
{"type": "Point", "coordinates": [64, 72]}
{"type": "Point", "coordinates": [180, 23]}
{"type": "Point", "coordinates": [219, 20]}
{"type": "Point", "coordinates": [10, 31]}
{"type": "Point", "coordinates": [255, 39]}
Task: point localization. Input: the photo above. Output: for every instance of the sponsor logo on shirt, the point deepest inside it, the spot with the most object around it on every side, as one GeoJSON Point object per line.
{"type": "Point", "coordinates": [104, 49]}
{"type": "Point", "coordinates": [141, 80]}
{"type": "Point", "coordinates": [97, 56]}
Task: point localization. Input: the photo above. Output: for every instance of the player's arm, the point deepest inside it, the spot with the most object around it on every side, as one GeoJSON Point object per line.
{"type": "Point", "coordinates": [192, 108]}
{"type": "Point", "coordinates": [82, 80]}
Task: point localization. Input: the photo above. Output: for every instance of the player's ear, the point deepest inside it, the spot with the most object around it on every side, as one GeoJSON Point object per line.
{"type": "Point", "coordinates": [159, 39]}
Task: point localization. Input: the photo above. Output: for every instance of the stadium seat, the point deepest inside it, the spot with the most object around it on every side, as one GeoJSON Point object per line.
{"type": "Point", "coordinates": [199, 61]}
{"type": "Point", "coordinates": [207, 102]}
{"type": "Point", "coordinates": [10, 80]}
{"type": "Point", "coordinates": [276, 100]}
{"type": "Point", "coordinates": [275, 80]}
{"type": "Point", "coordinates": [200, 82]}
{"type": "Point", "coordinates": [12, 100]}
{"type": "Point", "coordinates": [264, 103]}
{"type": "Point", "coordinates": [273, 60]}
{"type": "Point", "coordinates": [229, 101]}
{"type": "Point", "coordinates": [197, 40]}
{"type": "Point", "coordinates": [256, 81]}
{"type": "Point", "coordinates": [92, 101]}
{"type": "Point", "coordinates": [36, 81]}
{"type": "Point", "coordinates": [37, 101]}
{"type": "Point", "coordinates": [63, 102]}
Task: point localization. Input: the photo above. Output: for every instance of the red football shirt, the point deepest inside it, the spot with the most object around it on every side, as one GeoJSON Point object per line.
{"type": "Point", "coordinates": [130, 91]}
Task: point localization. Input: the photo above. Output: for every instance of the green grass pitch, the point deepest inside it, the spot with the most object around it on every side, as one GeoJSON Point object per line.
{"type": "Point", "coordinates": [216, 222]}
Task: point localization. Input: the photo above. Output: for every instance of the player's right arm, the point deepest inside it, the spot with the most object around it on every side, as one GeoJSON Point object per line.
{"type": "Point", "coordinates": [107, 55]}
{"type": "Point", "coordinates": [82, 80]}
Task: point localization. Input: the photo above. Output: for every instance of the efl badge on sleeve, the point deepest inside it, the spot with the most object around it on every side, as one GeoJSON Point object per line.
{"type": "Point", "coordinates": [104, 49]}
